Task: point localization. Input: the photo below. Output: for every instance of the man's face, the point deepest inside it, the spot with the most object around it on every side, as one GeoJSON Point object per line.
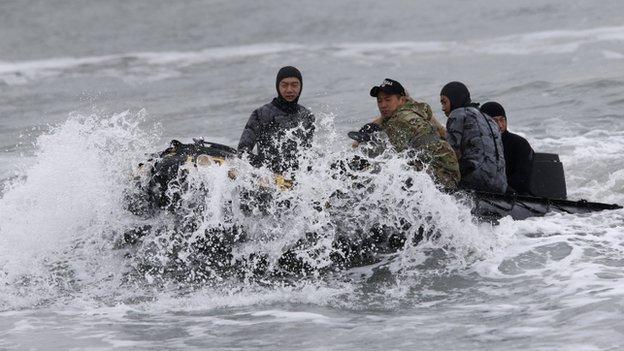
{"type": "Point", "coordinates": [290, 88]}
{"type": "Point", "coordinates": [446, 105]}
{"type": "Point", "coordinates": [502, 123]}
{"type": "Point", "coordinates": [388, 104]}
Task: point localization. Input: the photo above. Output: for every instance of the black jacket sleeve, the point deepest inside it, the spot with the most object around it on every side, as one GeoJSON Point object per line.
{"type": "Point", "coordinates": [250, 133]}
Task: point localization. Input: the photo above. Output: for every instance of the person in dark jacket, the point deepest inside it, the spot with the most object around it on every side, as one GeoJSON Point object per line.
{"type": "Point", "coordinates": [518, 151]}
{"type": "Point", "coordinates": [476, 140]}
{"type": "Point", "coordinates": [280, 129]}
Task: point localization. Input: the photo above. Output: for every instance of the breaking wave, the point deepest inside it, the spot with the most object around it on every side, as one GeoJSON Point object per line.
{"type": "Point", "coordinates": [64, 225]}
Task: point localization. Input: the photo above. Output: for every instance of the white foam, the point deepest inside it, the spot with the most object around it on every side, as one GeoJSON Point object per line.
{"type": "Point", "coordinates": [582, 245]}
{"type": "Point", "coordinates": [68, 202]}
{"type": "Point", "coordinates": [208, 299]}
{"type": "Point", "coordinates": [294, 317]}
{"type": "Point", "coordinates": [593, 164]}
{"type": "Point", "coordinates": [23, 325]}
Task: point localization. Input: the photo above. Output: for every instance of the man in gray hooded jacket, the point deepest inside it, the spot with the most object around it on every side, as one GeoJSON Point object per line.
{"type": "Point", "coordinates": [476, 140]}
{"type": "Point", "coordinates": [280, 129]}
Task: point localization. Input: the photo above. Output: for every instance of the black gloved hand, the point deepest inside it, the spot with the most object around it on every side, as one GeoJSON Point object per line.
{"type": "Point", "coordinates": [364, 135]}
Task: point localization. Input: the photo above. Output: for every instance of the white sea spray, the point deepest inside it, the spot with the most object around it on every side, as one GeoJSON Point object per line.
{"type": "Point", "coordinates": [63, 222]}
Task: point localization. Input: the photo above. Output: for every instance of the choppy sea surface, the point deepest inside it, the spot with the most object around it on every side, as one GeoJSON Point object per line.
{"type": "Point", "coordinates": [88, 89]}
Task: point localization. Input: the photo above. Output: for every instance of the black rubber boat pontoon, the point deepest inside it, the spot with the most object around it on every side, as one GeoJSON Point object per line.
{"type": "Point", "coordinates": [548, 186]}
{"type": "Point", "coordinates": [160, 187]}
{"type": "Point", "coordinates": [547, 183]}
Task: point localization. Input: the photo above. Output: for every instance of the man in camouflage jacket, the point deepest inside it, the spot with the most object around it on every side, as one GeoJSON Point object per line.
{"type": "Point", "coordinates": [410, 125]}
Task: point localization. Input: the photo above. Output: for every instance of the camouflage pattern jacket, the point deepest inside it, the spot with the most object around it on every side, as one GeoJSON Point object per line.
{"type": "Point", "coordinates": [411, 127]}
{"type": "Point", "coordinates": [477, 139]}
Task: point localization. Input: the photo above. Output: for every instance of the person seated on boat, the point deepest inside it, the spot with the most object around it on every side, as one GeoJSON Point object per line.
{"type": "Point", "coordinates": [434, 121]}
{"type": "Point", "coordinates": [518, 152]}
{"type": "Point", "coordinates": [408, 125]}
{"type": "Point", "coordinates": [280, 129]}
{"type": "Point", "coordinates": [476, 140]}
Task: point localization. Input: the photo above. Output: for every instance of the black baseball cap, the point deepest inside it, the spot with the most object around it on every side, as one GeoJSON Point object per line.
{"type": "Point", "coordinates": [388, 86]}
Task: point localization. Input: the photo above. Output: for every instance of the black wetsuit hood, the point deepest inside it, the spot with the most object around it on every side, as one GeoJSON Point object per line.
{"type": "Point", "coordinates": [458, 95]}
{"type": "Point", "coordinates": [493, 109]}
{"type": "Point", "coordinates": [289, 107]}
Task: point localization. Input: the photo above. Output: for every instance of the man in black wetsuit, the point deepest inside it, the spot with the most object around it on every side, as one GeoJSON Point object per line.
{"type": "Point", "coordinates": [518, 152]}
{"type": "Point", "coordinates": [280, 129]}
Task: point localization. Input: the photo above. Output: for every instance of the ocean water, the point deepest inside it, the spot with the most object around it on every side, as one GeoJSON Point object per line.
{"type": "Point", "coordinates": [88, 89]}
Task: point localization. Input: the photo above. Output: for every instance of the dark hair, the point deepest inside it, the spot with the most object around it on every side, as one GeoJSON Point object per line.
{"type": "Point", "coordinates": [458, 94]}
{"type": "Point", "coordinates": [493, 109]}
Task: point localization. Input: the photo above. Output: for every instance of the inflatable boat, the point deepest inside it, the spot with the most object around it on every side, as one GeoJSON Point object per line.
{"type": "Point", "coordinates": [547, 183]}
{"type": "Point", "coordinates": [161, 182]}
